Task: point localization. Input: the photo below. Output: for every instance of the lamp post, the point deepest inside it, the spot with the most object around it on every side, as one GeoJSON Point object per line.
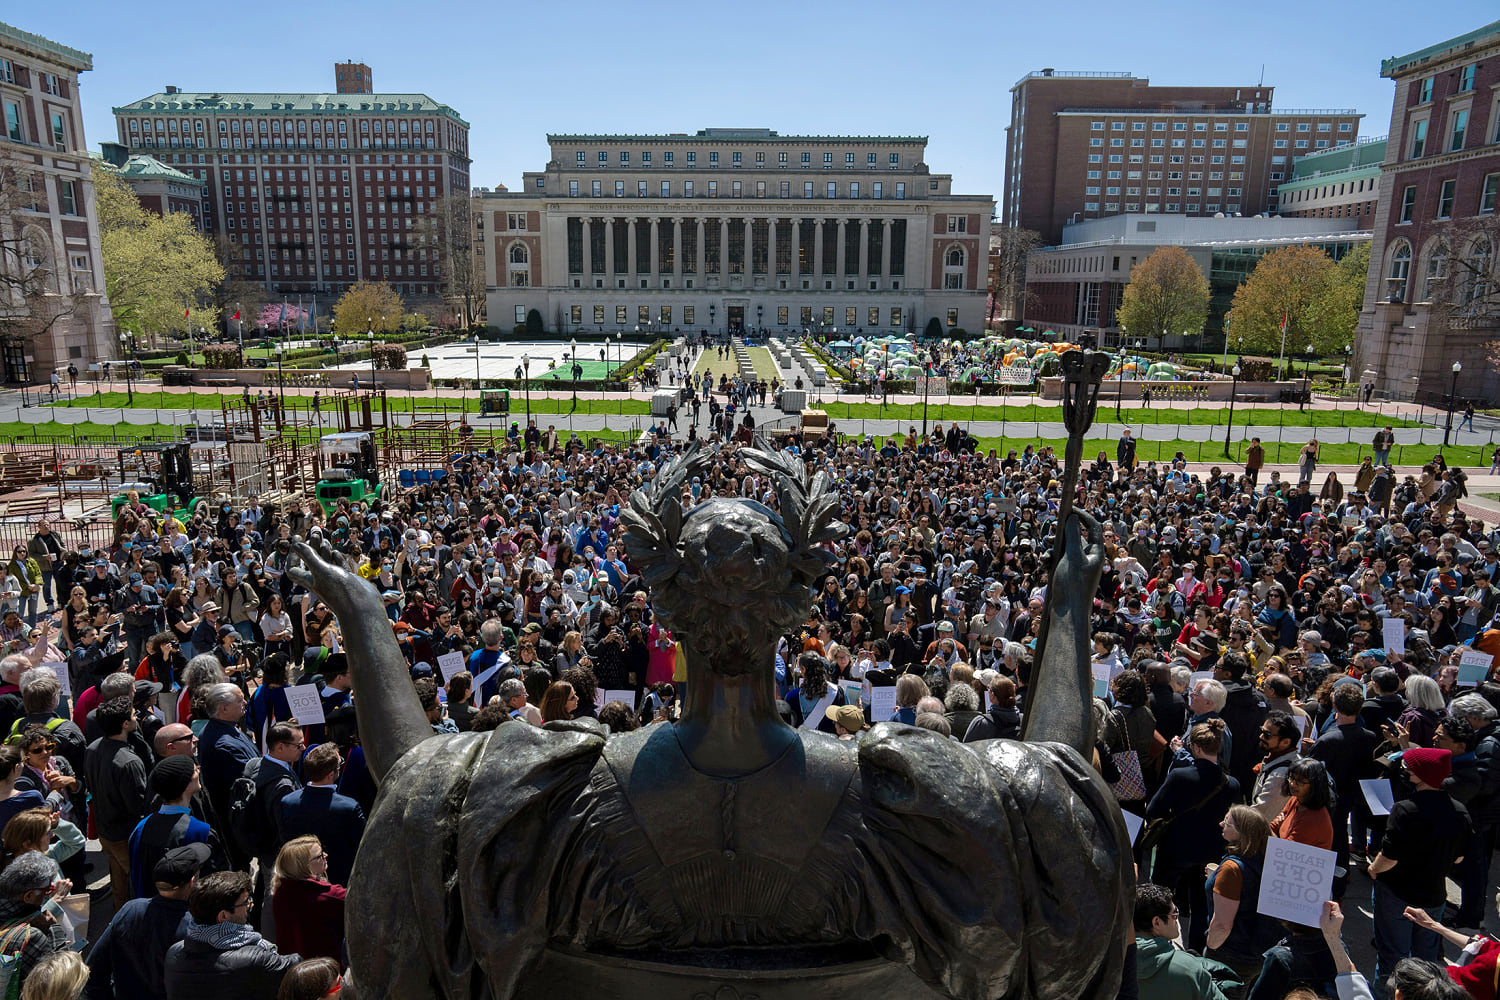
{"type": "Point", "coordinates": [712, 325]}
{"type": "Point", "coordinates": [371, 334]}
{"type": "Point", "coordinates": [1233, 391]}
{"type": "Point", "coordinates": [759, 322]}
{"type": "Point", "coordinates": [476, 360]}
{"type": "Point", "coordinates": [125, 354]}
{"type": "Point", "coordinates": [1306, 378]}
{"type": "Point", "coordinates": [577, 369]}
{"type": "Point", "coordinates": [526, 367]}
{"type": "Point", "coordinates": [1120, 382]}
{"type": "Point", "coordinates": [1452, 399]}
{"type": "Point", "coordinates": [280, 380]}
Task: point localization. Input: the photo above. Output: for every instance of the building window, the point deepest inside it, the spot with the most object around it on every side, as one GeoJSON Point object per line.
{"type": "Point", "coordinates": [580, 157]}
{"type": "Point", "coordinates": [645, 157]}
{"type": "Point", "coordinates": [66, 198]}
{"type": "Point", "coordinates": [687, 189]}
{"type": "Point", "coordinates": [640, 189]}
{"type": "Point", "coordinates": [692, 156]}
{"type": "Point", "coordinates": [900, 191]}
{"type": "Point", "coordinates": [734, 189]}
{"type": "Point", "coordinates": [895, 317]}
{"type": "Point", "coordinates": [854, 189]}
{"type": "Point", "coordinates": [713, 159]}
{"type": "Point", "coordinates": [624, 156]}
{"type": "Point", "coordinates": [665, 314]}
{"type": "Point", "coordinates": [1460, 126]}
{"type": "Point", "coordinates": [13, 121]}
{"type": "Point", "coordinates": [954, 257]}
{"type": "Point", "coordinates": [572, 189]}
{"type": "Point", "coordinates": [666, 189]}
{"type": "Point", "coordinates": [599, 314]}
{"type": "Point", "coordinates": [1488, 193]}
{"type": "Point", "coordinates": [575, 315]}
{"type": "Point", "coordinates": [667, 156]}
{"type": "Point", "coordinates": [1424, 90]}
{"type": "Point", "coordinates": [1466, 78]}
{"type": "Point", "coordinates": [619, 189]}
{"type": "Point", "coordinates": [59, 132]}
{"type": "Point", "coordinates": [1445, 199]}
{"type": "Point", "coordinates": [520, 279]}
{"type": "Point", "coordinates": [713, 189]}
{"type": "Point", "coordinates": [597, 188]}
{"type": "Point", "coordinates": [1400, 271]}
{"type": "Point", "coordinates": [1418, 138]}
{"type": "Point", "coordinates": [833, 189]}
{"type": "Point", "coordinates": [952, 317]}
{"type": "Point", "coordinates": [688, 313]}
{"type": "Point", "coordinates": [621, 314]}
{"type": "Point", "coordinates": [1437, 270]}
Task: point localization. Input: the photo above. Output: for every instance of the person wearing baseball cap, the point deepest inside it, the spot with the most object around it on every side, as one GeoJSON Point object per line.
{"type": "Point", "coordinates": [129, 958]}
{"type": "Point", "coordinates": [848, 721]}
{"type": "Point", "coordinates": [1424, 835]}
{"type": "Point", "coordinates": [174, 782]}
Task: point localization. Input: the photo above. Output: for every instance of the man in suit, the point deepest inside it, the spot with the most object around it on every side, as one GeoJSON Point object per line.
{"type": "Point", "coordinates": [336, 820]}
{"type": "Point", "coordinates": [223, 752]}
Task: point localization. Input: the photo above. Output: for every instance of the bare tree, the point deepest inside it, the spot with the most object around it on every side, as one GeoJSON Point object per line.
{"type": "Point", "coordinates": [1009, 246]}
{"type": "Point", "coordinates": [450, 234]}
{"type": "Point", "coordinates": [1459, 280]}
{"type": "Point", "coordinates": [36, 291]}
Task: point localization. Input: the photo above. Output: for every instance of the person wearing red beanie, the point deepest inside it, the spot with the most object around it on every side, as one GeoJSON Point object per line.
{"type": "Point", "coordinates": [1424, 836]}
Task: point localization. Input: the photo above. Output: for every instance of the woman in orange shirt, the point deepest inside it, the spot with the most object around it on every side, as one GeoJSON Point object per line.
{"type": "Point", "coordinates": [1305, 818]}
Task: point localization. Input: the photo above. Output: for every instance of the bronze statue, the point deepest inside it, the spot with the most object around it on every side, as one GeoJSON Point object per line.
{"type": "Point", "coordinates": [729, 856]}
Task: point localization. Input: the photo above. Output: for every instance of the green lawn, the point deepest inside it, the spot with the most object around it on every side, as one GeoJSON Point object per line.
{"type": "Point", "coordinates": [1206, 415]}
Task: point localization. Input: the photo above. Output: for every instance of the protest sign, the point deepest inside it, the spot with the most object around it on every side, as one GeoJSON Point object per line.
{"type": "Point", "coordinates": [1473, 667]}
{"type": "Point", "coordinates": [1296, 882]}
{"type": "Point", "coordinates": [450, 664]}
{"type": "Point", "coordinates": [882, 703]}
{"type": "Point", "coordinates": [1394, 632]}
{"type": "Point", "coordinates": [1378, 794]}
{"type": "Point", "coordinates": [305, 705]}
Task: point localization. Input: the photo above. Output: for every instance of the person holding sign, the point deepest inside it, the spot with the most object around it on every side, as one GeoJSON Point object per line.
{"type": "Point", "coordinates": [1424, 836]}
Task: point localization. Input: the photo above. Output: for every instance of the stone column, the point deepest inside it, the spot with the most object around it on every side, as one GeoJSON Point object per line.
{"type": "Point", "coordinates": [609, 249]}
{"type": "Point", "coordinates": [818, 248]}
{"type": "Point", "coordinates": [655, 256]}
{"type": "Point", "coordinates": [677, 251]}
{"type": "Point", "coordinates": [885, 250]}
{"type": "Point", "coordinates": [796, 252]}
{"type": "Point", "coordinates": [749, 256]}
{"type": "Point", "coordinates": [630, 250]}
{"type": "Point", "coordinates": [864, 246]}
{"type": "Point", "coordinates": [841, 259]}
{"type": "Point", "coordinates": [724, 250]}
{"type": "Point", "coordinates": [701, 250]}
{"type": "Point", "coordinates": [771, 251]}
{"type": "Point", "coordinates": [588, 252]}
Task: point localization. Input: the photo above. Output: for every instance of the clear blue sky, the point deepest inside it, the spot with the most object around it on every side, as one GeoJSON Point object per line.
{"type": "Point", "coordinates": [518, 71]}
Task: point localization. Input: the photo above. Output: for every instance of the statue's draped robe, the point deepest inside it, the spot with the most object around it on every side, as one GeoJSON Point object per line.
{"type": "Point", "coordinates": [990, 870]}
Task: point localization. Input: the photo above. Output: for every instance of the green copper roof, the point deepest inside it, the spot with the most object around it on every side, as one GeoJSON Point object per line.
{"type": "Point", "coordinates": [46, 47]}
{"type": "Point", "coordinates": [1397, 65]}
{"type": "Point", "coordinates": [143, 167]}
{"type": "Point", "coordinates": [343, 104]}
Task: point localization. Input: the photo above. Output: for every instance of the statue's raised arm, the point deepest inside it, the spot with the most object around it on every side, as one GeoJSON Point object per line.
{"type": "Point", "coordinates": [391, 720]}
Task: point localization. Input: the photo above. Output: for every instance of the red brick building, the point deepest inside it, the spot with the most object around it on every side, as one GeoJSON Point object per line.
{"type": "Point", "coordinates": [158, 187]}
{"type": "Point", "coordinates": [315, 191]}
{"type": "Point", "coordinates": [1431, 296]}
{"type": "Point", "coordinates": [1090, 145]}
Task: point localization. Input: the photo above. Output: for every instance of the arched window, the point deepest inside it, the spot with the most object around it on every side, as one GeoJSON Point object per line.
{"type": "Point", "coordinates": [1475, 288]}
{"type": "Point", "coordinates": [956, 257]}
{"type": "Point", "coordinates": [1436, 273]}
{"type": "Point", "coordinates": [1400, 271]}
{"type": "Point", "coordinates": [518, 254]}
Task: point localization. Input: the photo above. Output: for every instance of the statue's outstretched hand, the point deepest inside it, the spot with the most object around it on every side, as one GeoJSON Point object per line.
{"type": "Point", "coordinates": [322, 570]}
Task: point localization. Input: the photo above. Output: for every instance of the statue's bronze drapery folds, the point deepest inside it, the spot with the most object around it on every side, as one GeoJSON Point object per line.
{"type": "Point", "coordinates": [728, 856]}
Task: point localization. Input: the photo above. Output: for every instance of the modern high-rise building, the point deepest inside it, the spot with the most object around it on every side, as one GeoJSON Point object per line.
{"type": "Point", "coordinates": [1088, 145]}
{"type": "Point", "coordinates": [734, 229]}
{"type": "Point", "coordinates": [53, 310]}
{"type": "Point", "coordinates": [1431, 299]}
{"type": "Point", "coordinates": [314, 191]}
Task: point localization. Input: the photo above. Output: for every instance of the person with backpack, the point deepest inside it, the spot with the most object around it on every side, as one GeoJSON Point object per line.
{"type": "Point", "coordinates": [223, 751]}
{"type": "Point", "coordinates": [255, 801]}
{"type": "Point", "coordinates": [1237, 934]}
{"type": "Point", "coordinates": [26, 885]}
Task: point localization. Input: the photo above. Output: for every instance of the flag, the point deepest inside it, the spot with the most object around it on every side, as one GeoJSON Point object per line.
{"type": "Point", "coordinates": [187, 314]}
{"type": "Point", "coordinates": [236, 316]}
{"type": "Point", "coordinates": [1284, 318]}
{"type": "Point", "coordinates": [281, 323]}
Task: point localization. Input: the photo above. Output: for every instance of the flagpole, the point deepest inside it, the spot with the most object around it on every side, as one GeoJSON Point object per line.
{"type": "Point", "coordinates": [1280, 361]}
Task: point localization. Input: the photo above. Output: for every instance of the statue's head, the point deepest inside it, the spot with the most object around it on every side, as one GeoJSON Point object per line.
{"type": "Point", "coordinates": [729, 576]}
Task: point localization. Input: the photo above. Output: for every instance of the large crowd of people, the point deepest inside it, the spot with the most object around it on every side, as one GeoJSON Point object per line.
{"type": "Point", "coordinates": [1249, 676]}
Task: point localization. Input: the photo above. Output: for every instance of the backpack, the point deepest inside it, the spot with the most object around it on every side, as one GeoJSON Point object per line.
{"type": "Point", "coordinates": [244, 817]}
{"type": "Point", "coordinates": [15, 730]}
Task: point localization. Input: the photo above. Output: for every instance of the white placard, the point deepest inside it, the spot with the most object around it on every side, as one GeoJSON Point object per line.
{"type": "Point", "coordinates": [1473, 667]}
{"type": "Point", "coordinates": [1378, 795]}
{"type": "Point", "coordinates": [450, 664]}
{"type": "Point", "coordinates": [854, 693]}
{"type": "Point", "coordinates": [305, 704]}
{"type": "Point", "coordinates": [60, 668]}
{"type": "Point", "coordinates": [1101, 679]}
{"type": "Point", "coordinates": [882, 703]}
{"type": "Point", "coordinates": [1133, 824]}
{"type": "Point", "coordinates": [1200, 675]}
{"type": "Point", "coordinates": [627, 695]}
{"type": "Point", "coordinates": [1296, 882]}
{"type": "Point", "coordinates": [1394, 632]}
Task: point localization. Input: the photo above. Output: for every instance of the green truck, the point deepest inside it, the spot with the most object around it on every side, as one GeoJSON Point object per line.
{"type": "Point", "coordinates": [350, 471]}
